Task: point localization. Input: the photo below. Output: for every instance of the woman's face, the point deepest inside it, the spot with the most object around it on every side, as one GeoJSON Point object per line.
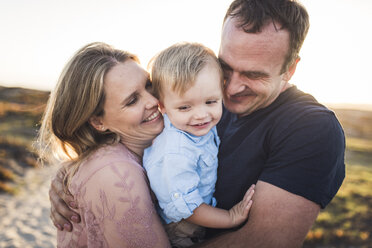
{"type": "Point", "coordinates": [130, 110]}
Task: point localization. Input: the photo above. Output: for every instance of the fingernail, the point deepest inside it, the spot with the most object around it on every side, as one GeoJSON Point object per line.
{"type": "Point", "coordinates": [67, 226]}
{"type": "Point", "coordinates": [72, 204]}
{"type": "Point", "coordinates": [74, 218]}
{"type": "Point", "coordinates": [59, 227]}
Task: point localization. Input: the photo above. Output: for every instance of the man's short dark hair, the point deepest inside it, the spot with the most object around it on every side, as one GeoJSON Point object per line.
{"type": "Point", "coordinates": [252, 15]}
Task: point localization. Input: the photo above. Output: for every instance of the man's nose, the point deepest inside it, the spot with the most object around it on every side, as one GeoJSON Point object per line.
{"type": "Point", "coordinates": [234, 84]}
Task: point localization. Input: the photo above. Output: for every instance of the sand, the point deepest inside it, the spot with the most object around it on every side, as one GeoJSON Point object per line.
{"type": "Point", "coordinates": [24, 218]}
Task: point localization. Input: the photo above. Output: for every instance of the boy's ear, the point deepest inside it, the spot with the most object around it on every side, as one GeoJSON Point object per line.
{"type": "Point", "coordinates": [161, 108]}
{"type": "Point", "coordinates": [97, 123]}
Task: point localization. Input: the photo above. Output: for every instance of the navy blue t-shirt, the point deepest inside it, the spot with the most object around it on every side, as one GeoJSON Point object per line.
{"type": "Point", "coordinates": [295, 144]}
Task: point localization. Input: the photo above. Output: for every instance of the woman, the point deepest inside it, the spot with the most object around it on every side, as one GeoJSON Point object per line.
{"type": "Point", "coordinates": [99, 119]}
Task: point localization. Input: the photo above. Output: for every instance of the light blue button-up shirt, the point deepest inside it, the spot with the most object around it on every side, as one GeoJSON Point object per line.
{"type": "Point", "coordinates": [182, 169]}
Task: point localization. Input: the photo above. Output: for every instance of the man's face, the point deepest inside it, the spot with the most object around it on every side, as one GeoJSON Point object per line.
{"type": "Point", "coordinates": [252, 67]}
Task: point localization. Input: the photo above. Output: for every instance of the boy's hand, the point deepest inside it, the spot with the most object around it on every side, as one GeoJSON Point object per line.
{"type": "Point", "coordinates": [239, 213]}
{"type": "Point", "coordinates": [60, 213]}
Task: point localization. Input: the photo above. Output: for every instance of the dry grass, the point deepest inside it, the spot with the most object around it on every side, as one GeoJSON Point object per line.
{"type": "Point", "coordinates": [7, 188]}
{"type": "Point", "coordinates": [20, 113]}
{"type": "Point", "coordinates": [6, 174]}
{"type": "Point", "coordinates": [346, 222]}
{"type": "Point", "coordinates": [359, 145]}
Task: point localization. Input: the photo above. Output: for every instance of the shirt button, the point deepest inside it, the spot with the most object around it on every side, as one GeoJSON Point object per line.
{"type": "Point", "coordinates": [176, 195]}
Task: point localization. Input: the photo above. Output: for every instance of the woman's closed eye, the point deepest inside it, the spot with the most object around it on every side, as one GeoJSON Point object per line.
{"type": "Point", "coordinates": [133, 100]}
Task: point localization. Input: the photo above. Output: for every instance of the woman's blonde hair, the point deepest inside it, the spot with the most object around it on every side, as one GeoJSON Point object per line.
{"type": "Point", "coordinates": [178, 66]}
{"type": "Point", "coordinates": [65, 133]}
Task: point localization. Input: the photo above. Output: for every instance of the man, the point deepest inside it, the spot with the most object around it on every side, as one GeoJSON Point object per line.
{"type": "Point", "coordinates": [271, 133]}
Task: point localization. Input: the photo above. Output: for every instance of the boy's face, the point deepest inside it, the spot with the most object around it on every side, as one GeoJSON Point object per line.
{"type": "Point", "coordinates": [200, 107]}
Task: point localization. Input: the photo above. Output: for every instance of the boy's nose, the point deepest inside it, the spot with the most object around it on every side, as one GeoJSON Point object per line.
{"type": "Point", "coordinates": [201, 114]}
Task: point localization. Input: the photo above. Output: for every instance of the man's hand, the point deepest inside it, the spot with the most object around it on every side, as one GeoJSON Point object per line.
{"type": "Point", "coordinates": [60, 213]}
{"type": "Point", "coordinates": [239, 213]}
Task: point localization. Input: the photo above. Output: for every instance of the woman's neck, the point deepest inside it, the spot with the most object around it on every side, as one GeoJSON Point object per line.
{"type": "Point", "coordinates": [137, 148]}
{"type": "Point", "coordinates": [138, 152]}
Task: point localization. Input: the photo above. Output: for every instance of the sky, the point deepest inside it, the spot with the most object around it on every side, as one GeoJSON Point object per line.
{"type": "Point", "coordinates": [39, 36]}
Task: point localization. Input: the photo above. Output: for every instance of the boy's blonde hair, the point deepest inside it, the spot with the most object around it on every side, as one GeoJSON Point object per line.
{"type": "Point", "coordinates": [178, 65]}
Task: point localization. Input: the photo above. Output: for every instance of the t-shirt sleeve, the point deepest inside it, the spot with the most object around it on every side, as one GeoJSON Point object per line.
{"type": "Point", "coordinates": [306, 157]}
{"type": "Point", "coordinates": [118, 210]}
{"type": "Point", "coordinates": [174, 180]}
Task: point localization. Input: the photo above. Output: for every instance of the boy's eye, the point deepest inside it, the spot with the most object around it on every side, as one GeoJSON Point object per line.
{"type": "Point", "coordinates": [183, 108]}
{"type": "Point", "coordinates": [211, 102]}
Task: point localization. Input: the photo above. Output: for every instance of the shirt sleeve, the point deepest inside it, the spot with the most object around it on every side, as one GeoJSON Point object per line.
{"type": "Point", "coordinates": [307, 157]}
{"type": "Point", "coordinates": [175, 183]}
{"type": "Point", "coordinates": [118, 210]}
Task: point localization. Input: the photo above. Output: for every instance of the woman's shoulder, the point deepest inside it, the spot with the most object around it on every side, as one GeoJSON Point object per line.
{"type": "Point", "coordinates": [112, 152]}
{"type": "Point", "coordinates": [105, 161]}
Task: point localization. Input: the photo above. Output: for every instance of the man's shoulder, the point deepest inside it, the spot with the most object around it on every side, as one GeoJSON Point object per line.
{"type": "Point", "coordinates": [294, 105]}
{"type": "Point", "coordinates": [304, 109]}
{"type": "Point", "coordinates": [296, 100]}
{"type": "Point", "coordinates": [293, 112]}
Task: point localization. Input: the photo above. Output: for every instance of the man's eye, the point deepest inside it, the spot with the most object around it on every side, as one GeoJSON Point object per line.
{"type": "Point", "coordinates": [226, 74]}
{"type": "Point", "coordinates": [256, 75]}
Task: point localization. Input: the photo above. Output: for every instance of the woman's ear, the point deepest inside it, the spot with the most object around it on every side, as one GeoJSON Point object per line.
{"type": "Point", "coordinates": [97, 123]}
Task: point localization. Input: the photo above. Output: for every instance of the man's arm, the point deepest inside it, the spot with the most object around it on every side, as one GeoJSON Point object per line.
{"type": "Point", "coordinates": [278, 218]}
{"type": "Point", "coordinates": [60, 214]}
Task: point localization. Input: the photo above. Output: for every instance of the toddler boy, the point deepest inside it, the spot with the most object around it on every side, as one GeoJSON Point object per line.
{"type": "Point", "coordinates": [182, 162]}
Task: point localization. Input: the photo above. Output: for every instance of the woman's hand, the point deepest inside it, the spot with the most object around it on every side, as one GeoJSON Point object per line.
{"type": "Point", "coordinates": [60, 213]}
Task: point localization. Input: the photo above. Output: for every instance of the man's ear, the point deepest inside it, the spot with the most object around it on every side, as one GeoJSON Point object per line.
{"type": "Point", "coordinates": [291, 70]}
{"type": "Point", "coordinates": [161, 108]}
{"type": "Point", "coordinates": [97, 123]}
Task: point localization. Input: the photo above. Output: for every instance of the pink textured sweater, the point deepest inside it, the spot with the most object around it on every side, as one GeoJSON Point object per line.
{"type": "Point", "coordinates": [115, 204]}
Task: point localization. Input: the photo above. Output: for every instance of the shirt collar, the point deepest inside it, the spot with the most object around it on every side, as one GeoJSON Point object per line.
{"type": "Point", "coordinates": [195, 139]}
